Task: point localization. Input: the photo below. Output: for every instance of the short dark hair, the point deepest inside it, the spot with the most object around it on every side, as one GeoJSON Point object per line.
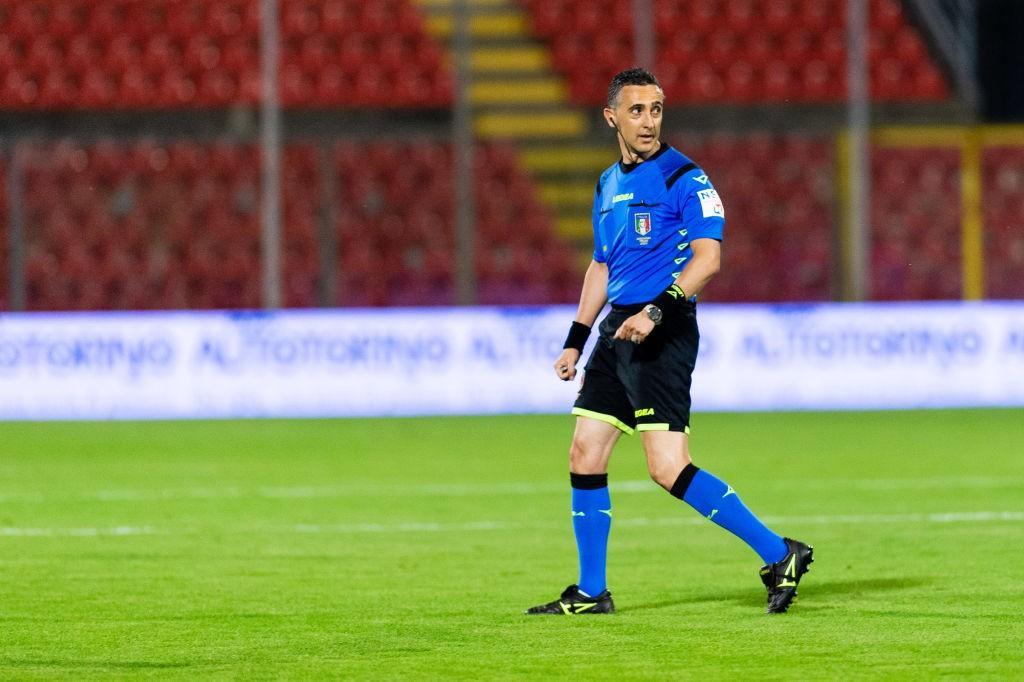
{"type": "Point", "coordinates": [634, 76]}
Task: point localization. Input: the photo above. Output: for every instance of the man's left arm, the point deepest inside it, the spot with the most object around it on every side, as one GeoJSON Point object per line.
{"type": "Point", "coordinates": [707, 260]}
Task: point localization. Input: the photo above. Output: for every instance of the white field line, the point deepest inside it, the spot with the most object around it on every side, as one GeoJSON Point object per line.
{"type": "Point", "coordinates": [490, 490]}
{"type": "Point", "coordinates": [428, 527]}
{"type": "Point", "coordinates": [75, 532]}
{"type": "Point", "coordinates": [683, 520]}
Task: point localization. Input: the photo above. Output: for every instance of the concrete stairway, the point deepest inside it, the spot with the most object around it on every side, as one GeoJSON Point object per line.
{"type": "Point", "coordinates": [517, 95]}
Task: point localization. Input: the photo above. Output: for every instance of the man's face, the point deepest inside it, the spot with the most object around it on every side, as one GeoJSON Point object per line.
{"type": "Point", "coordinates": [638, 117]}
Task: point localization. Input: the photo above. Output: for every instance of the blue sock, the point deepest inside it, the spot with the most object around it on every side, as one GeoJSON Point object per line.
{"type": "Point", "coordinates": [716, 500]}
{"type": "Point", "coordinates": [591, 521]}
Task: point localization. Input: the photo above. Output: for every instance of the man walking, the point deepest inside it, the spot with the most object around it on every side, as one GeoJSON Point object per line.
{"type": "Point", "coordinates": [658, 225]}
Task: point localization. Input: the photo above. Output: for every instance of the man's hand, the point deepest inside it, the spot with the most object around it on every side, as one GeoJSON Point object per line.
{"type": "Point", "coordinates": [636, 328]}
{"type": "Point", "coordinates": [565, 365]}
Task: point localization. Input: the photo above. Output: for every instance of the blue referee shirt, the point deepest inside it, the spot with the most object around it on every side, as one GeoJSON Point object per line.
{"type": "Point", "coordinates": [645, 216]}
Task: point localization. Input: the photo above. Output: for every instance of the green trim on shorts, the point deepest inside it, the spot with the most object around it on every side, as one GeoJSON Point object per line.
{"type": "Point", "coordinates": [659, 427]}
{"type": "Point", "coordinates": [606, 418]}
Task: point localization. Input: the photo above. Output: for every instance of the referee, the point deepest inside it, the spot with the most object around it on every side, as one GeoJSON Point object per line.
{"type": "Point", "coordinates": [658, 225]}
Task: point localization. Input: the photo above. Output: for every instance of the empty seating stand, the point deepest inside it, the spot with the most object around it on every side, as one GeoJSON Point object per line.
{"type": "Point", "coordinates": [142, 225]}
{"type": "Point", "coordinates": [1003, 207]}
{"type": "Point", "coordinates": [778, 192]}
{"type": "Point", "coordinates": [4, 245]}
{"type": "Point", "coordinates": [915, 217]}
{"type": "Point", "coordinates": [162, 225]}
{"type": "Point", "coordinates": [396, 231]}
{"type": "Point", "coordinates": [738, 51]}
{"type": "Point", "coordinates": [151, 225]}
{"type": "Point", "coordinates": [126, 54]}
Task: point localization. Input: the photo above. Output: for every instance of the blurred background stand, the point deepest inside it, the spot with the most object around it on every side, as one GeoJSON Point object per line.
{"type": "Point", "coordinates": [352, 153]}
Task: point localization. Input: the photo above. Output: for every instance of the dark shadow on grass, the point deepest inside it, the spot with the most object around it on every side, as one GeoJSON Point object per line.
{"type": "Point", "coordinates": [948, 616]}
{"type": "Point", "coordinates": [172, 617]}
{"type": "Point", "coordinates": [212, 616]}
{"type": "Point", "coordinates": [755, 596]}
{"type": "Point", "coordinates": [78, 665]}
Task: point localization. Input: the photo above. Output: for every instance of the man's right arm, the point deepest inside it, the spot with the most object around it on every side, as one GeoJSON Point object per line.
{"type": "Point", "coordinates": [594, 294]}
{"type": "Point", "coordinates": [592, 300]}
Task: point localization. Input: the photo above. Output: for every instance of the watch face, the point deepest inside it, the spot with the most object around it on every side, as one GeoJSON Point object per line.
{"type": "Point", "coordinates": [654, 313]}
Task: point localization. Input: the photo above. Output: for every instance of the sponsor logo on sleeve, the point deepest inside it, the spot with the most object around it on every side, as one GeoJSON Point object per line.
{"type": "Point", "coordinates": [711, 204]}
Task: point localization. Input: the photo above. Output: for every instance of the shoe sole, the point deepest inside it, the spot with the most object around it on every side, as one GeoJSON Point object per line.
{"type": "Point", "coordinates": [559, 613]}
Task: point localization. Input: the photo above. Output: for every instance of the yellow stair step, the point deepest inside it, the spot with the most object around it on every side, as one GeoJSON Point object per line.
{"type": "Point", "coordinates": [531, 91]}
{"type": "Point", "coordinates": [510, 24]}
{"type": "Point", "coordinates": [531, 125]}
{"type": "Point", "coordinates": [585, 159]}
{"type": "Point", "coordinates": [450, 4]}
{"type": "Point", "coordinates": [527, 58]}
{"type": "Point", "coordinates": [573, 227]}
{"type": "Point", "coordinates": [568, 194]}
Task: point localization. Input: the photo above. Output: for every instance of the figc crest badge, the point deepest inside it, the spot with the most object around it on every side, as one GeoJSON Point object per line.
{"type": "Point", "coordinates": [642, 224]}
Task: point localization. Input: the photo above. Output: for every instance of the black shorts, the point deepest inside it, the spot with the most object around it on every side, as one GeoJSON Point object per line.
{"type": "Point", "coordinates": [646, 386]}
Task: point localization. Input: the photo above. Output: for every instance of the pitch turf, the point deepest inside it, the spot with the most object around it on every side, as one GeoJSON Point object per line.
{"type": "Point", "coordinates": [408, 549]}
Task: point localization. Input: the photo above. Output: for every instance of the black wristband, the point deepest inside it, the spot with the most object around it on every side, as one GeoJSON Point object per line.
{"type": "Point", "coordinates": [669, 299]}
{"type": "Point", "coordinates": [578, 335]}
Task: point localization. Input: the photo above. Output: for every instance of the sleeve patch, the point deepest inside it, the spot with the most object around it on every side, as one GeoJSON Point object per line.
{"type": "Point", "coordinates": [710, 203]}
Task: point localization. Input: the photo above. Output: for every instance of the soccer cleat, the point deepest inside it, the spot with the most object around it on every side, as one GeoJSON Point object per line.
{"type": "Point", "coordinates": [573, 603]}
{"type": "Point", "coordinates": [782, 577]}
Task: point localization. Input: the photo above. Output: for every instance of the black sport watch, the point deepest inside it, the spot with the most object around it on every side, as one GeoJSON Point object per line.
{"type": "Point", "coordinates": [653, 313]}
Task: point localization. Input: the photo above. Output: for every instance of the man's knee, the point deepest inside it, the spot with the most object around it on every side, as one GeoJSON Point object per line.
{"type": "Point", "coordinates": [668, 453]}
{"type": "Point", "coordinates": [675, 481]}
{"type": "Point", "coordinates": [585, 458]}
{"type": "Point", "coordinates": [663, 472]}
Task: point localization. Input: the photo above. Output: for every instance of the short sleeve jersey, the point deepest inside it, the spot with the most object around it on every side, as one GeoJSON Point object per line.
{"type": "Point", "coordinates": [645, 217]}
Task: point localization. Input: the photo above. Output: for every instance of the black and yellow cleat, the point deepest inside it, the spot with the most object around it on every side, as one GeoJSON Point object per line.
{"type": "Point", "coordinates": [782, 577]}
{"type": "Point", "coordinates": [573, 603]}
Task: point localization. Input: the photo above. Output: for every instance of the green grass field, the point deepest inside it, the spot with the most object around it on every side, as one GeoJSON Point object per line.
{"type": "Point", "coordinates": [390, 549]}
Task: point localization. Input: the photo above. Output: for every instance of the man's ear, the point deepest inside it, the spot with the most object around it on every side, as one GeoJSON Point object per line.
{"type": "Point", "coordinates": [609, 116]}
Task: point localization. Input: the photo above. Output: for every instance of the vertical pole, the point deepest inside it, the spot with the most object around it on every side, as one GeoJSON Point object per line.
{"type": "Point", "coordinates": [972, 250]}
{"type": "Point", "coordinates": [270, 148]}
{"type": "Point", "coordinates": [462, 142]}
{"type": "Point", "coordinates": [16, 233]}
{"type": "Point", "coordinates": [327, 291]}
{"type": "Point", "coordinates": [857, 268]}
{"type": "Point", "coordinates": [643, 33]}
